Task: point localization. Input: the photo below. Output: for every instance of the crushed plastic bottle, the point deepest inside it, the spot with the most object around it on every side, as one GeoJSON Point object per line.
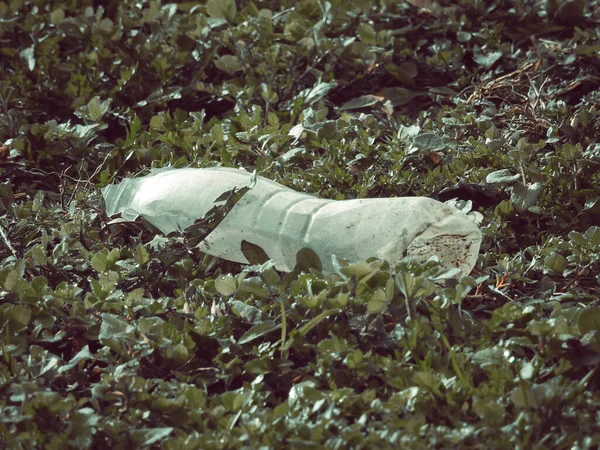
{"type": "Point", "coordinates": [282, 221]}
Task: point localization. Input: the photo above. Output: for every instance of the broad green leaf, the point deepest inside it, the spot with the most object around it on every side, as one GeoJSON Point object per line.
{"type": "Point", "coordinates": [485, 59]}
{"type": "Point", "coordinates": [430, 141]}
{"type": "Point", "coordinates": [527, 371]}
{"type": "Point", "coordinates": [354, 359]}
{"type": "Point", "coordinates": [247, 312]}
{"type": "Point", "coordinates": [83, 355]}
{"type": "Point", "coordinates": [97, 109]}
{"type": "Point", "coordinates": [569, 12]}
{"type": "Point", "coordinates": [361, 102]}
{"type": "Point", "coordinates": [413, 287]}
{"type": "Point", "coordinates": [98, 262]}
{"type": "Point", "coordinates": [226, 285]}
{"type": "Point", "coordinates": [315, 321]}
{"type": "Point", "coordinates": [502, 176]}
{"type": "Point", "coordinates": [57, 16]}
{"type": "Point", "coordinates": [398, 96]}
{"type": "Point", "coordinates": [378, 302]}
{"type": "Point", "coordinates": [258, 366]}
{"type": "Point", "coordinates": [28, 55]}
{"type": "Point", "coordinates": [359, 270]}
{"type": "Point", "coordinates": [592, 236]}
{"type": "Point", "coordinates": [232, 400]}
{"type": "Point", "coordinates": [316, 93]}
{"type": "Point", "coordinates": [255, 286]}
{"type": "Point", "coordinates": [578, 238]}
{"type": "Point", "coordinates": [463, 36]}
{"type": "Point", "coordinates": [428, 381]}
{"type": "Point", "coordinates": [229, 64]}
{"type": "Point", "coordinates": [11, 281]}
{"type": "Point", "coordinates": [525, 196]}
{"type": "Point", "coordinates": [340, 301]}
{"type": "Point", "coordinates": [367, 34]}
{"type": "Point", "coordinates": [221, 9]}
{"type": "Point", "coordinates": [19, 316]}
{"type": "Point", "coordinates": [491, 411]}
{"type": "Point", "coordinates": [490, 358]}
{"type": "Point", "coordinates": [114, 330]}
{"type": "Point", "coordinates": [141, 255]}
{"type": "Point", "coordinates": [149, 436]}
{"type": "Point", "coordinates": [179, 354]}
{"type": "Point", "coordinates": [307, 259]}
{"type": "Point", "coordinates": [258, 330]}
{"type": "Point", "coordinates": [589, 320]}
{"type": "Point", "coordinates": [409, 69]}
{"type": "Point", "coordinates": [525, 397]}
{"type": "Point", "coordinates": [253, 253]}
{"type": "Point", "coordinates": [556, 262]}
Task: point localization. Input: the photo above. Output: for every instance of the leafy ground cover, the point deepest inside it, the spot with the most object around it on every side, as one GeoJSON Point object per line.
{"type": "Point", "coordinates": [115, 337]}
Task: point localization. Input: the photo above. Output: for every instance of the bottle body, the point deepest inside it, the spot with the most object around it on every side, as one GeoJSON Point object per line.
{"type": "Point", "coordinates": [282, 221]}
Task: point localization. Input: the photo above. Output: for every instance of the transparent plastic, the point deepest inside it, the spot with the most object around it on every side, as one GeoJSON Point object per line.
{"type": "Point", "coordinates": [282, 221]}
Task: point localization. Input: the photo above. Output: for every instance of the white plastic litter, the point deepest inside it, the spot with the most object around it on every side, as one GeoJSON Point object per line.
{"type": "Point", "coordinates": [282, 221]}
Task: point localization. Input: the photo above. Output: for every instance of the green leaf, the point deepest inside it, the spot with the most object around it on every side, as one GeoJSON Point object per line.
{"type": "Point", "coordinates": [258, 330]}
{"type": "Point", "coordinates": [525, 197]}
{"type": "Point", "coordinates": [247, 312]}
{"type": "Point", "coordinates": [502, 176]}
{"type": "Point", "coordinates": [97, 109]}
{"type": "Point", "coordinates": [232, 400]}
{"type": "Point", "coordinates": [367, 34]}
{"type": "Point", "coordinates": [486, 59]}
{"type": "Point", "coordinates": [413, 287]}
{"type": "Point", "coordinates": [38, 254]}
{"type": "Point", "coordinates": [57, 16]}
{"type": "Point", "coordinates": [99, 261]}
{"type": "Point", "coordinates": [556, 262]}
{"type": "Point", "coordinates": [463, 36]}
{"type": "Point", "coordinates": [491, 411]}
{"type": "Point", "coordinates": [19, 316]}
{"type": "Point", "coordinates": [221, 9]}
{"type": "Point", "coordinates": [354, 359]}
{"type": "Point", "coordinates": [11, 280]}
{"type": "Point", "coordinates": [430, 141]}
{"type": "Point", "coordinates": [340, 301]}
{"type": "Point", "coordinates": [428, 381]}
{"type": "Point", "coordinates": [589, 319]}
{"type": "Point", "coordinates": [141, 255]}
{"type": "Point", "coordinates": [115, 330]}
{"type": "Point", "coordinates": [578, 239]}
{"type": "Point", "coordinates": [83, 355]}
{"type": "Point", "coordinates": [28, 55]}
{"type": "Point", "coordinates": [149, 436]}
{"type": "Point", "coordinates": [226, 285]}
{"type": "Point", "coordinates": [255, 286]}
{"type": "Point", "coordinates": [179, 354]}
{"type": "Point", "coordinates": [258, 366]}
{"type": "Point", "coordinates": [569, 13]}
{"type": "Point", "coordinates": [253, 253]}
{"type": "Point", "coordinates": [314, 94]}
{"type": "Point", "coordinates": [409, 69]}
{"type": "Point", "coordinates": [307, 259]}
{"type": "Point", "coordinates": [378, 302]}
{"type": "Point", "coordinates": [358, 270]}
{"type": "Point", "coordinates": [304, 330]}
{"type": "Point", "coordinates": [229, 64]}
{"type": "Point", "coordinates": [398, 96]}
{"type": "Point", "coordinates": [592, 236]}
{"type": "Point", "coordinates": [527, 371]}
{"type": "Point", "coordinates": [360, 102]}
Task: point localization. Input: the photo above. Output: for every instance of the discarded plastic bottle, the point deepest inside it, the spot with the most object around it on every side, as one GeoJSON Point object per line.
{"type": "Point", "coordinates": [282, 221]}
